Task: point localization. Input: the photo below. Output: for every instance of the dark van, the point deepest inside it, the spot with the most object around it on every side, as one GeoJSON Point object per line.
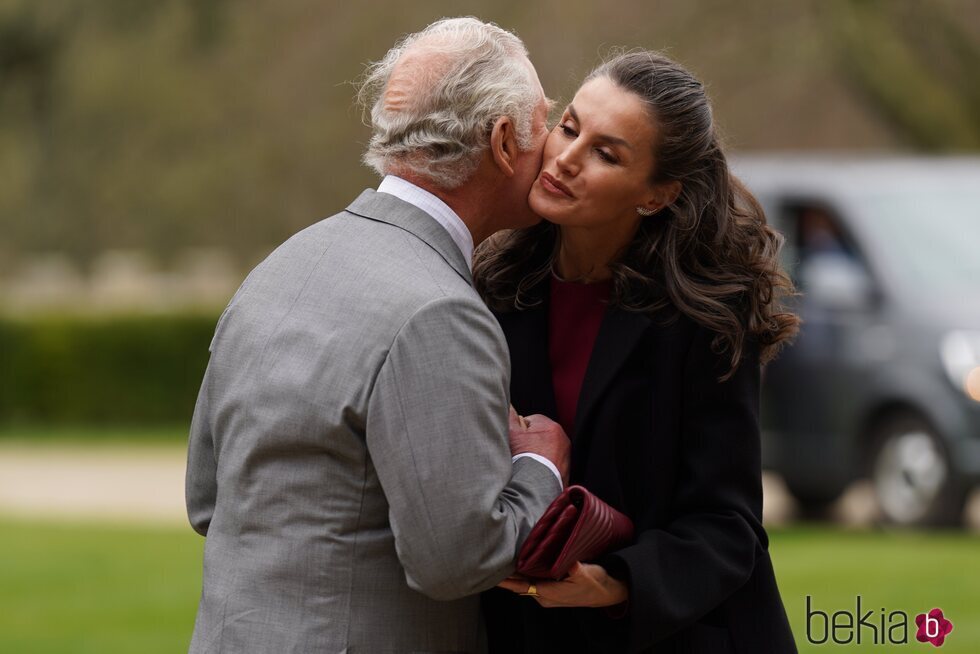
{"type": "Point", "coordinates": [883, 381]}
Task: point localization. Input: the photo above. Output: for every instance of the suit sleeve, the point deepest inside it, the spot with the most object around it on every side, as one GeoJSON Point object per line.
{"type": "Point", "coordinates": [680, 572]}
{"type": "Point", "coordinates": [201, 477]}
{"type": "Point", "coordinates": [200, 482]}
{"type": "Point", "coordinates": [437, 435]}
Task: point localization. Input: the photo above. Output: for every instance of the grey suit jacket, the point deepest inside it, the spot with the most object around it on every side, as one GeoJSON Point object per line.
{"type": "Point", "coordinates": [348, 457]}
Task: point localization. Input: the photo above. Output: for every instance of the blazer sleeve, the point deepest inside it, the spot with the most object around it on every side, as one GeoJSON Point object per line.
{"type": "Point", "coordinates": [438, 438]}
{"type": "Point", "coordinates": [201, 476]}
{"type": "Point", "coordinates": [200, 481]}
{"type": "Point", "coordinates": [680, 572]}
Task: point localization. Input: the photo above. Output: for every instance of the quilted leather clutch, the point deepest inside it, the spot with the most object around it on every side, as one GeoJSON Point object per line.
{"type": "Point", "coordinates": [577, 526]}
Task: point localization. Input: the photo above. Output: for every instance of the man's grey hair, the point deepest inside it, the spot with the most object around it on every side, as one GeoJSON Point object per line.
{"type": "Point", "coordinates": [467, 75]}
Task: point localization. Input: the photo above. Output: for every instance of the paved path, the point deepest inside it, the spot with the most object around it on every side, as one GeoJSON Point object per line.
{"type": "Point", "coordinates": [145, 484]}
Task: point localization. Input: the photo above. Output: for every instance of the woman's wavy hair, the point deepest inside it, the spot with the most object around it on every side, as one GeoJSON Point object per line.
{"type": "Point", "coordinates": [709, 255]}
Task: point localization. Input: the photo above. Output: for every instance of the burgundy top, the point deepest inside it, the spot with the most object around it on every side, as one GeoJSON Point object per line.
{"type": "Point", "coordinates": [574, 316]}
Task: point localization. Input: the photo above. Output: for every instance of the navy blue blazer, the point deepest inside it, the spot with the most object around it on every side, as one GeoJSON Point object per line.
{"type": "Point", "coordinates": [660, 438]}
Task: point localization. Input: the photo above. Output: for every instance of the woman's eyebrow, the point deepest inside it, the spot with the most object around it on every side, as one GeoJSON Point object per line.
{"type": "Point", "coordinates": [615, 140]}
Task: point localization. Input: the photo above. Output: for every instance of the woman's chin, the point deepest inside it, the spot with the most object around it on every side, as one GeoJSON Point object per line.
{"type": "Point", "coordinates": [541, 206]}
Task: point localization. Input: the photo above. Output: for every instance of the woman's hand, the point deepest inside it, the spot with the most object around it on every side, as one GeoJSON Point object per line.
{"type": "Point", "coordinates": [586, 585]}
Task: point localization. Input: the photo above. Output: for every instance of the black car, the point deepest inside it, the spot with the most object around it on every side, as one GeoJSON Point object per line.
{"type": "Point", "coordinates": [883, 381]}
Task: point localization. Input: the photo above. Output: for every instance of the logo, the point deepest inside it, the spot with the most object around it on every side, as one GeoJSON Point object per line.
{"type": "Point", "coordinates": [873, 628]}
{"type": "Point", "coordinates": [933, 627]}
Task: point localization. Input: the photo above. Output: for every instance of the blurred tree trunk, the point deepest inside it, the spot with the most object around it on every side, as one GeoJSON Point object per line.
{"type": "Point", "coordinates": [914, 65]}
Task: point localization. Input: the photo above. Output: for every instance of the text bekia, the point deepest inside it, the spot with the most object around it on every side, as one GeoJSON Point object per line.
{"type": "Point", "coordinates": [845, 627]}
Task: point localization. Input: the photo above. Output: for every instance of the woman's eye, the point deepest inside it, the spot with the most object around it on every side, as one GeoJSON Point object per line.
{"type": "Point", "coordinates": [605, 156]}
{"type": "Point", "coordinates": [566, 130]}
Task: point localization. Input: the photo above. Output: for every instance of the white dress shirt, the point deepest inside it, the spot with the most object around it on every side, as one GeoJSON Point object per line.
{"type": "Point", "coordinates": [432, 205]}
{"type": "Point", "coordinates": [460, 233]}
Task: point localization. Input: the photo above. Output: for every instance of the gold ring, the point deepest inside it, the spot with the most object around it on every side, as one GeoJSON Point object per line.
{"type": "Point", "coordinates": [532, 591]}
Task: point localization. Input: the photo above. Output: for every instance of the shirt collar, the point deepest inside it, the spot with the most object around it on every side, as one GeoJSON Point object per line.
{"type": "Point", "coordinates": [432, 205]}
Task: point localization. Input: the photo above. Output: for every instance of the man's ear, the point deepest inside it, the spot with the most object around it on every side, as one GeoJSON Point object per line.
{"type": "Point", "coordinates": [662, 194]}
{"type": "Point", "coordinates": [503, 145]}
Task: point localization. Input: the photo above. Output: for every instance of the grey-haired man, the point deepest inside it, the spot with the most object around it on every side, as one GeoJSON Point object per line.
{"type": "Point", "coordinates": [349, 459]}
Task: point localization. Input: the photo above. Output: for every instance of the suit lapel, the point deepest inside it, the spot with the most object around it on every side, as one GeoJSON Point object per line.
{"type": "Point", "coordinates": [618, 336]}
{"type": "Point", "coordinates": [388, 209]}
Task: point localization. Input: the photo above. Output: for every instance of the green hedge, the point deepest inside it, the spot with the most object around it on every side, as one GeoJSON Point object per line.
{"type": "Point", "coordinates": [131, 370]}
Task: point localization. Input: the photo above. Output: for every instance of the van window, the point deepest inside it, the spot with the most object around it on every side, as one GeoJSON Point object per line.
{"type": "Point", "coordinates": [814, 234]}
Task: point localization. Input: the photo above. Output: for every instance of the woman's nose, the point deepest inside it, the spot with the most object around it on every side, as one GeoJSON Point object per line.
{"type": "Point", "coordinates": [568, 161]}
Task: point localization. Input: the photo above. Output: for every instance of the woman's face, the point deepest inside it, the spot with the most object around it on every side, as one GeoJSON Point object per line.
{"type": "Point", "coordinates": [598, 161]}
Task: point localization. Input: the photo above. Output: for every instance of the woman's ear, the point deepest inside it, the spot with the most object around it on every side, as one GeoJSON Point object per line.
{"type": "Point", "coordinates": [664, 193]}
{"type": "Point", "coordinates": [503, 145]}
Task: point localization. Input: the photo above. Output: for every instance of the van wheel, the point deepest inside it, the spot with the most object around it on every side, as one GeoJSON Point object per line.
{"type": "Point", "coordinates": [914, 483]}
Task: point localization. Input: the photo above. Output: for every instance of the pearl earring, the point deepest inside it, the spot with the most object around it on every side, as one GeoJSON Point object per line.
{"type": "Point", "coordinates": [643, 211]}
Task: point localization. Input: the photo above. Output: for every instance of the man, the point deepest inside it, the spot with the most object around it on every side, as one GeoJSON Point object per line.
{"type": "Point", "coordinates": [348, 458]}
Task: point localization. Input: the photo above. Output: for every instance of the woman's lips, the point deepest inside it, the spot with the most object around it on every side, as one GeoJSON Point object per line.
{"type": "Point", "coordinates": [555, 187]}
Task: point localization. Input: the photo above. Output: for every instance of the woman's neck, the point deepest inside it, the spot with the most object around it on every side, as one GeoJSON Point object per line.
{"type": "Point", "coordinates": [584, 256]}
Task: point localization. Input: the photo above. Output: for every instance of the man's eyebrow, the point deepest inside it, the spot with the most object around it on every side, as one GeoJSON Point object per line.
{"type": "Point", "coordinates": [615, 140]}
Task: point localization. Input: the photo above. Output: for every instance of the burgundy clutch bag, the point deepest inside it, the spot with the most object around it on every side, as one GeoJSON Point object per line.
{"type": "Point", "coordinates": [578, 526]}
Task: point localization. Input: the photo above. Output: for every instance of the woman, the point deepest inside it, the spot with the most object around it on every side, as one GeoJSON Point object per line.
{"type": "Point", "coordinates": [639, 313]}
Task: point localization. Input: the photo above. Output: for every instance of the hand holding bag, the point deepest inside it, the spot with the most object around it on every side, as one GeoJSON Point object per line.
{"type": "Point", "coordinates": [577, 526]}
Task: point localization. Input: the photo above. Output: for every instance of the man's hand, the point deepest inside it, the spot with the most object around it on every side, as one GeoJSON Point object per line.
{"type": "Point", "coordinates": [540, 435]}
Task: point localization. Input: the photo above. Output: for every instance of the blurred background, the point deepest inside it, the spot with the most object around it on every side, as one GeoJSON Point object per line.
{"type": "Point", "coordinates": [152, 153]}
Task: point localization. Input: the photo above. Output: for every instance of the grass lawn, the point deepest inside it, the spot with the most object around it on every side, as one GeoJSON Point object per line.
{"type": "Point", "coordinates": [84, 589]}
{"type": "Point", "coordinates": [910, 572]}
{"type": "Point", "coordinates": [106, 589]}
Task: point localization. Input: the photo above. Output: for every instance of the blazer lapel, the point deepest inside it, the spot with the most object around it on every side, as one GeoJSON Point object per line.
{"type": "Point", "coordinates": [527, 339]}
{"type": "Point", "coordinates": [618, 336]}
{"type": "Point", "coordinates": [393, 211]}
